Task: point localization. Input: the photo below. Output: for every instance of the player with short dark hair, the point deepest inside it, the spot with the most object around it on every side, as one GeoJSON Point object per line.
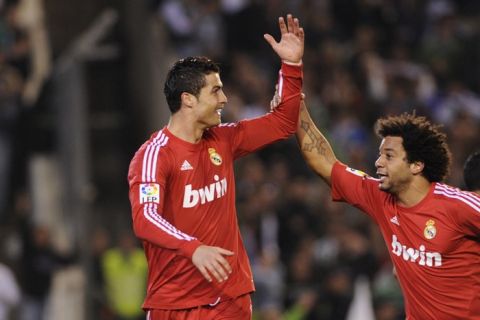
{"type": "Point", "coordinates": [471, 172]}
{"type": "Point", "coordinates": [182, 187]}
{"type": "Point", "coordinates": [431, 229]}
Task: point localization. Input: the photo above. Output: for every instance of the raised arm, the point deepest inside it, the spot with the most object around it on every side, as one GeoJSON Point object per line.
{"type": "Point", "coordinates": [315, 148]}
{"type": "Point", "coordinates": [252, 134]}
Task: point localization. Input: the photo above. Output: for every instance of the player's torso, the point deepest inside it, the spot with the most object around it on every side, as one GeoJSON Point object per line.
{"type": "Point", "coordinates": [418, 237]}
{"type": "Point", "coordinates": [201, 190]}
{"type": "Point", "coordinates": [432, 258]}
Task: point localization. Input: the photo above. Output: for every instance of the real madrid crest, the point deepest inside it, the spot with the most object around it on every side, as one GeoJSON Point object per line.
{"type": "Point", "coordinates": [215, 157]}
{"type": "Point", "coordinates": [430, 230]}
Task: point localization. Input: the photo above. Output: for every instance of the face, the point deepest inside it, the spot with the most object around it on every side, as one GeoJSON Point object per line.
{"type": "Point", "coordinates": [393, 169]}
{"type": "Point", "coordinates": [210, 102]}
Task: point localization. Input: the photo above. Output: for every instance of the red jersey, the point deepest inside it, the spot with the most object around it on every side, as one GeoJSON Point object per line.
{"type": "Point", "coordinates": [183, 195]}
{"type": "Point", "coordinates": [434, 245]}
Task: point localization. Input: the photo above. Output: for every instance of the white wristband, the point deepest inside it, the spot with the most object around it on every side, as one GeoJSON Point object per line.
{"type": "Point", "coordinates": [293, 63]}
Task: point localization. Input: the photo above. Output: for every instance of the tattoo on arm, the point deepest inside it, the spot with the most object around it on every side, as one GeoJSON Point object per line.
{"type": "Point", "coordinates": [318, 142]}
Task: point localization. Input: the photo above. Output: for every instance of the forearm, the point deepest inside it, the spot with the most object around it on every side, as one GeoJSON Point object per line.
{"type": "Point", "coordinates": [315, 148]}
{"type": "Point", "coordinates": [150, 226]}
{"type": "Point", "coordinates": [278, 124]}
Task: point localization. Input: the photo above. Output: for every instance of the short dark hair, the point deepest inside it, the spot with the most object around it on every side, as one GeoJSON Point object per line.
{"type": "Point", "coordinates": [422, 142]}
{"type": "Point", "coordinates": [471, 172]}
{"type": "Point", "coordinates": [187, 75]}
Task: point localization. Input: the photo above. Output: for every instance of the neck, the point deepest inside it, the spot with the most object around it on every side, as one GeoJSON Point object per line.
{"type": "Point", "coordinates": [415, 192]}
{"type": "Point", "coordinates": [184, 128]}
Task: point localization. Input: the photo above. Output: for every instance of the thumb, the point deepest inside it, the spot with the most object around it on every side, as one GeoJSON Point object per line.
{"type": "Point", "coordinates": [225, 252]}
{"type": "Point", "coordinates": [270, 39]}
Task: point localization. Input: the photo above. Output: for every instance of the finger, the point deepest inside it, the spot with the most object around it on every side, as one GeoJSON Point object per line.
{"type": "Point", "coordinates": [302, 97]}
{"type": "Point", "coordinates": [301, 34]}
{"type": "Point", "coordinates": [221, 270]}
{"type": "Point", "coordinates": [225, 252]}
{"type": "Point", "coordinates": [205, 273]}
{"type": "Point", "coordinates": [213, 271]}
{"type": "Point", "coordinates": [290, 23]}
{"type": "Point", "coordinates": [282, 25]}
{"type": "Point", "coordinates": [270, 40]}
{"type": "Point", "coordinates": [224, 263]}
{"type": "Point", "coordinates": [296, 27]}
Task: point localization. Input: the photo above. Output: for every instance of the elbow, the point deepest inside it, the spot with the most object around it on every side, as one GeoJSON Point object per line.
{"type": "Point", "coordinates": [323, 170]}
{"type": "Point", "coordinates": [137, 231]}
{"type": "Point", "coordinates": [138, 225]}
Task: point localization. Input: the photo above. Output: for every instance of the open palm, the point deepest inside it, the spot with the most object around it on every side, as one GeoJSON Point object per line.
{"type": "Point", "coordinates": [291, 45]}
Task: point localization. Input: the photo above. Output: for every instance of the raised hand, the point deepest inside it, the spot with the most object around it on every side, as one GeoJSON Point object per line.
{"type": "Point", "coordinates": [291, 45]}
{"type": "Point", "coordinates": [210, 261]}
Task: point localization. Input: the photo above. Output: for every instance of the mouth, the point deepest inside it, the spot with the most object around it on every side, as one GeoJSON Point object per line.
{"type": "Point", "coordinates": [381, 177]}
{"type": "Point", "coordinates": [219, 111]}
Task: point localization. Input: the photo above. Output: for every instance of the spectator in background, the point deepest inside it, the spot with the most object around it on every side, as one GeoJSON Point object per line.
{"type": "Point", "coordinates": [100, 243]}
{"type": "Point", "coordinates": [38, 265]}
{"type": "Point", "coordinates": [124, 270]}
{"type": "Point", "coordinates": [10, 89]}
{"type": "Point", "coordinates": [471, 172]}
{"type": "Point", "coordinates": [9, 292]}
{"type": "Point", "coordinates": [39, 262]}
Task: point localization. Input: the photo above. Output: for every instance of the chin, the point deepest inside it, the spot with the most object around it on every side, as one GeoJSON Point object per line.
{"type": "Point", "coordinates": [384, 188]}
{"type": "Point", "coordinates": [213, 123]}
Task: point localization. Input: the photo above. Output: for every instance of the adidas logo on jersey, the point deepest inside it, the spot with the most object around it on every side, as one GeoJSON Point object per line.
{"type": "Point", "coordinates": [420, 256]}
{"type": "Point", "coordinates": [186, 166]}
{"type": "Point", "coordinates": [192, 197]}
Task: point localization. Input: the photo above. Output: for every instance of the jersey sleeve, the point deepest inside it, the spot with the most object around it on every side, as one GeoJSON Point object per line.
{"type": "Point", "coordinates": [147, 177]}
{"type": "Point", "coordinates": [471, 220]}
{"type": "Point", "coordinates": [356, 188]}
{"type": "Point", "coordinates": [467, 209]}
{"type": "Point", "coordinates": [249, 135]}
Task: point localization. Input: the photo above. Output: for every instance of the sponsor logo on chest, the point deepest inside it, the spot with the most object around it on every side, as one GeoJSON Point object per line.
{"type": "Point", "coordinates": [208, 193]}
{"type": "Point", "coordinates": [419, 256]}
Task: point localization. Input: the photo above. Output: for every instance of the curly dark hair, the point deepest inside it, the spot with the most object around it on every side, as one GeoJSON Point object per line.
{"type": "Point", "coordinates": [471, 171]}
{"type": "Point", "coordinates": [187, 75]}
{"type": "Point", "coordinates": [422, 141]}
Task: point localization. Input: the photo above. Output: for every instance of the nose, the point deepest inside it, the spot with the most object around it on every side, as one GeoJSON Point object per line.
{"type": "Point", "coordinates": [378, 162]}
{"type": "Point", "coordinates": [223, 97]}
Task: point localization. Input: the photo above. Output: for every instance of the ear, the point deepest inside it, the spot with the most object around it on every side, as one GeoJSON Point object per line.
{"type": "Point", "coordinates": [417, 167]}
{"type": "Point", "coordinates": [188, 99]}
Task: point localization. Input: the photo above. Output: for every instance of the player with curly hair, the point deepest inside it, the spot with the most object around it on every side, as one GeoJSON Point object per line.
{"type": "Point", "coordinates": [430, 228]}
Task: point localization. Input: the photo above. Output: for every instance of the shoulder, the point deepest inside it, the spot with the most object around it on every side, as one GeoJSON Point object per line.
{"type": "Point", "coordinates": [148, 155]}
{"type": "Point", "coordinates": [456, 199]}
{"type": "Point", "coordinates": [224, 131]}
{"type": "Point", "coordinates": [351, 173]}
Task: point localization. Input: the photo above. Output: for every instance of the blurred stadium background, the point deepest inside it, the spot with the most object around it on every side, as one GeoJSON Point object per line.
{"type": "Point", "coordinates": [81, 87]}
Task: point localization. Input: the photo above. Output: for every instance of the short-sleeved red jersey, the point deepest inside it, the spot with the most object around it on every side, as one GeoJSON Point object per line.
{"type": "Point", "coordinates": [434, 245]}
{"type": "Point", "coordinates": [183, 195]}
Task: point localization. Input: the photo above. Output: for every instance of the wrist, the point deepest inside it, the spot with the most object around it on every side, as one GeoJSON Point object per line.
{"type": "Point", "coordinates": [291, 63]}
{"type": "Point", "coordinates": [189, 247]}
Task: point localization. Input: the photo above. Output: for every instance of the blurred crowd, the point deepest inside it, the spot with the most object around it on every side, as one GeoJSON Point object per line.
{"type": "Point", "coordinates": [312, 258]}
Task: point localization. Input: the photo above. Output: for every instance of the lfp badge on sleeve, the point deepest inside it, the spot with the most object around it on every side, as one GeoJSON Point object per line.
{"type": "Point", "coordinates": [149, 192]}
